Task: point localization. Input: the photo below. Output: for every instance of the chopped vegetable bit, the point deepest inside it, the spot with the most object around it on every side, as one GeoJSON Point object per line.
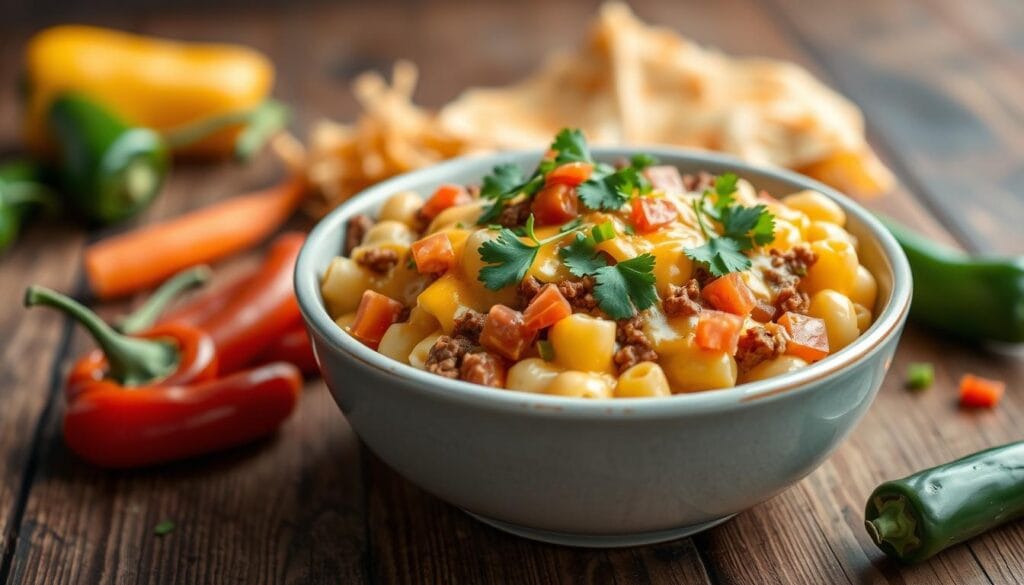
{"type": "Point", "coordinates": [610, 192]}
{"type": "Point", "coordinates": [742, 228]}
{"type": "Point", "coordinates": [642, 161]}
{"type": "Point", "coordinates": [978, 392]}
{"type": "Point", "coordinates": [570, 146]}
{"type": "Point", "coordinates": [545, 350]}
{"type": "Point", "coordinates": [627, 287]}
{"type": "Point", "coordinates": [509, 258]}
{"type": "Point", "coordinates": [581, 257]}
{"type": "Point", "coordinates": [163, 528]}
{"type": "Point", "coordinates": [920, 376]}
{"type": "Point", "coordinates": [603, 232]}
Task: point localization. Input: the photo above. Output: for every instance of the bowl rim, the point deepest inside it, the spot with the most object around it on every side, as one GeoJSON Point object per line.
{"type": "Point", "coordinates": [887, 324]}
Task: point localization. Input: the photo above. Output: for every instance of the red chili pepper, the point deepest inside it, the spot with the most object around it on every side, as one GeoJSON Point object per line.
{"type": "Point", "coordinates": [293, 347]}
{"type": "Point", "coordinates": [262, 310]}
{"type": "Point", "coordinates": [153, 398]}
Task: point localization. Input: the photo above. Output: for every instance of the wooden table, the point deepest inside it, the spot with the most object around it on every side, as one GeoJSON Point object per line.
{"type": "Point", "coordinates": [942, 86]}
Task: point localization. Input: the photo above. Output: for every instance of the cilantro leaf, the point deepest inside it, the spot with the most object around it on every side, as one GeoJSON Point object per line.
{"type": "Point", "coordinates": [642, 161]}
{"type": "Point", "coordinates": [508, 260]}
{"type": "Point", "coordinates": [611, 192]}
{"type": "Point", "coordinates": [581, 257]}
{"type": "Point", "coordinates": [627, 287]}
{"type": "Point", "coordinates": [503, 180]}
{"type": "Point", "coordinates": [570, 146]}
{"type": "Point", "coordinates": [721, 255]}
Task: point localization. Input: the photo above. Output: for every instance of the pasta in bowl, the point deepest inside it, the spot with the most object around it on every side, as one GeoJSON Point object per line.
{"type": "Point", "coordinates": [690, 435]}
{"type": "Point", "coordinates": [593, 280]}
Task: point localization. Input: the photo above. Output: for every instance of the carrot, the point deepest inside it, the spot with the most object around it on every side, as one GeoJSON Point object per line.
{"type": "Point", "coordinates": [730, 294]}
{"type": "Point", "coordinates": [433, 253]}
{"type": "Point", "coordinates": [718, 331]}
{"type": "Point", "coordinates": [546, 309]}
{"type": "Point", "coordinates": [808, 337]}
{"type": "Point", "coordinates": [375, 314]}
{"type": "Point", "coordinates": [978, 392]}
{"type": "Point", "coordinates": [446, 196]}
{"type": "Point", "coordinates": [144, 257]}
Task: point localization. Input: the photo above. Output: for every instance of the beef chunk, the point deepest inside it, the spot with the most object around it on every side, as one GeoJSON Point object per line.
{"type": "Point", "coordinates": [469, 325]}
{"type": "Point", "coordinates": [635, 347]}
{"type": "Point", "coordinates": [579, 293]}
{"type": "Point", "coordinates": [759, 344]}
{"type": "Point", "coordinates": [355, 230]}
{"type": "Point", "coordinates": [445, 357]}
{"type": "Point", "coordinates": [379, 260]}
{"type": "Point", "coordinates": [682, 301]}
{"type": "Point", "coordinates": [483, 368]}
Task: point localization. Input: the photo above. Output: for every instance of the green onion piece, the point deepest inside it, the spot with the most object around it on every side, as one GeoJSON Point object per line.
{"type": "Point", "coordinates": [603, 232]}
{"type": "Point", "coordinates": [546, 350]}
{"type": "Point", "coordinates": [163, 528]}
{"type": "Point", "coordinates": [920, 376]}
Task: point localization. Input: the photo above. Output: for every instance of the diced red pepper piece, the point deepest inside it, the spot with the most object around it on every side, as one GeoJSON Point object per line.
{"type": "Point", "coordinates": [719, 331]}
{"type": "Point", "coordinates": [505, 332]}
{"type": "Point", "coordinates": [446, 196]}
{"type": "Point", "coordinates": [433, 254]}
{"type": "Point", "coordinates": [665, 178]}
{"type": "Point", "coordinates": [375, 314]}
{"type": "Point", "coordinates": [555, 204]}
{"type": "Point", "coordinates": [650, 213]}
{"type": "Point", "coordinates": [546, 309]}
{"type": "Point", "coordinates": [572, 174]}
{"type": "Point", "coordinates": [730, 294]}
{"type": "Point", "coordinates": [978, 392]}
{"type": "Point", "coordinates": [808, 336]}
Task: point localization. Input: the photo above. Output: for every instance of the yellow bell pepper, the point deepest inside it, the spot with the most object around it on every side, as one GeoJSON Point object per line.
{"type": "Point", "coordinates": [150, 82]}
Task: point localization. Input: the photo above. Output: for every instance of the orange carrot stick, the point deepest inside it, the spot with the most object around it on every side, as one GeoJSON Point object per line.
{"type": "Point", "coordinates": [144, 257]}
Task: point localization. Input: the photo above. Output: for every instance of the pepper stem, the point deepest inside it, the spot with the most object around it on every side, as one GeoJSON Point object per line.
{"type": "Point", "coordinates": [894, 526]}
{"type": "Point", "coordinates": [132, 361]}
{"type": "Point", "coordinates": [259, 125]}
{"type": "Point", "coordinates": [145, 316]}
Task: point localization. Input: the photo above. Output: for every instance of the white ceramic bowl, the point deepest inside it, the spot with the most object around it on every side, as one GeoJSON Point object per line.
{"type": "Point", "coordinates": [603, 472]}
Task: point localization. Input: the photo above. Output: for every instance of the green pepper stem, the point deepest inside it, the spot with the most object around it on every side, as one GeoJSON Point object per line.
{"type": "Point", "coordinates": [132, 361]}
{"type": "Point", "coordinates": [259, 125]}
{"type": "Point", "coordinates": [145, 316]}
{"type": "Point", "coordinates": [895, 526]}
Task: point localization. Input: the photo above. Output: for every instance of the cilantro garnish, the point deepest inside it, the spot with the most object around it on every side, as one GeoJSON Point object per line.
{"type": "Point", "coordinates": [570, 146]}
{"type": "Point", "coordinates": [622, 289]}
{"type": "Point", "coordinates": [626, 288]}
{"type": "Point", "coordinates": [508, 258]}
{"type": "Point", "coordinates": [611, 191]}
{"type": "Point", "coordinates": [742, 228]}
{"type": "Point", "coordinates": [642, 161]}
{"type": "Point", "coordinates": [580, 256]}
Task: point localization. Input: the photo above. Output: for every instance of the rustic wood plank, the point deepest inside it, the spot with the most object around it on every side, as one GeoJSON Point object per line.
{"type": "Point", "coordinates": [951, 117]}
{"type": "Point", "coordinates": [289, 509]}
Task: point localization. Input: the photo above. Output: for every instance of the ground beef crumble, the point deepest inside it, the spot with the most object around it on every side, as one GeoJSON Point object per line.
{"type": "Point", "coordinates": [787, 268]}
{"type": "Point", "coordinates": [634, 345]}
{"type": "Point", "coordinates": [469, 325]}
{"type": "Point", "coordinates": [355, 230]}
{"type": "Point", "coordinates": [514, 215]}
{"type": "Point", "coordinates": [445, 357]}
{"type": "Point", "coordinates": [759, 344]}
{"type": "Point", "coordinates": [379, 260]}
{"type": "Point", "coordinates": [682, 301]}
{"type": "Point", "coordinates": [698, 183]}
{"type": "Point", "coordinates": [579, 293]}
{"type": "Point", "coordinates": [529, 288]}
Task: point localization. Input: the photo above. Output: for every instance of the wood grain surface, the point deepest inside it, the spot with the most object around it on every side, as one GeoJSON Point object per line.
{"type": "Point", "coordinates": [942, 88]}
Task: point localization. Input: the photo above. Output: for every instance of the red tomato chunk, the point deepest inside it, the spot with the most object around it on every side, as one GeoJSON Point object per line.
{"type": "Point", "coordinates": [433, 254]}
{"type": "Point", "coordinates": [730, 294]}
{"type": "Point", "coordinates": [719, 331]}
{"type": "Point", "coordinates": [446, 196]}
{"type": "Point", "coordinates": [555, 204]}
{"type": "Point", "coordinates": [572, 174]}
{"type": "Point", "coordinates": [505, 332]}
{"type": "Point", "coordinates": [546, 309]}
{"type": "Point", "coordinates": [808, 337]}
{"type": "Point", "coordinates": [375, 314]}
{"type": "Point", "coordinates": [650, 213]}
{"type": "Point", "coordinates": [665, 178]}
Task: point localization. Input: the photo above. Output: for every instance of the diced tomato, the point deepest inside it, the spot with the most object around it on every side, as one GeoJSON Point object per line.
{"type": "Point", "coordinates": [505, 333]}
{"type": "Point", "coordinates": [546, 309]}
{"type": "Point", "coordinates": [808, 336]}
{"type": "Point", "coordinates": [446, 196]}
{"type": "Point", "coordinates": [763, 312]}
{"type": "Point", "coordinates": [375, 314]}
{"type": "Point", "coordinates": [554, 204]}
{"type": "Point", "coordinates": [719, 331]}
{"type": "Point", "coordinates": [650, 213]}
{"type": "Point", "coordinates": [572, 174]}
{"type": "Point", "coordinates": [730, 294]}
{"type": "Point", "coordinates": [978, 392]}
{"type": "Point", "coordinates": [433, 254]}
{"type": "Point", "coordinates": [665, 178]}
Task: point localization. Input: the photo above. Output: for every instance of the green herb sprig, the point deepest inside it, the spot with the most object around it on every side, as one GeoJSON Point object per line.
{"type": "Point", "coordinates": [508, 258]}
{"type": "Point", "coordinates": [742, 228]}
{"type": "Point", "coordinates": [621, 290]}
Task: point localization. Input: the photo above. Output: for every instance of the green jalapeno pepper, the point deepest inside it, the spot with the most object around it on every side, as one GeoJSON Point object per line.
{"type": "Point", "coordinates": [971, 297]}
{"type": "Point", "coordinates": [913, 518]}
{"type": "Point", "coordinates": [111, 170]}
{"type": "Point", "coordinates": [22, 190]}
